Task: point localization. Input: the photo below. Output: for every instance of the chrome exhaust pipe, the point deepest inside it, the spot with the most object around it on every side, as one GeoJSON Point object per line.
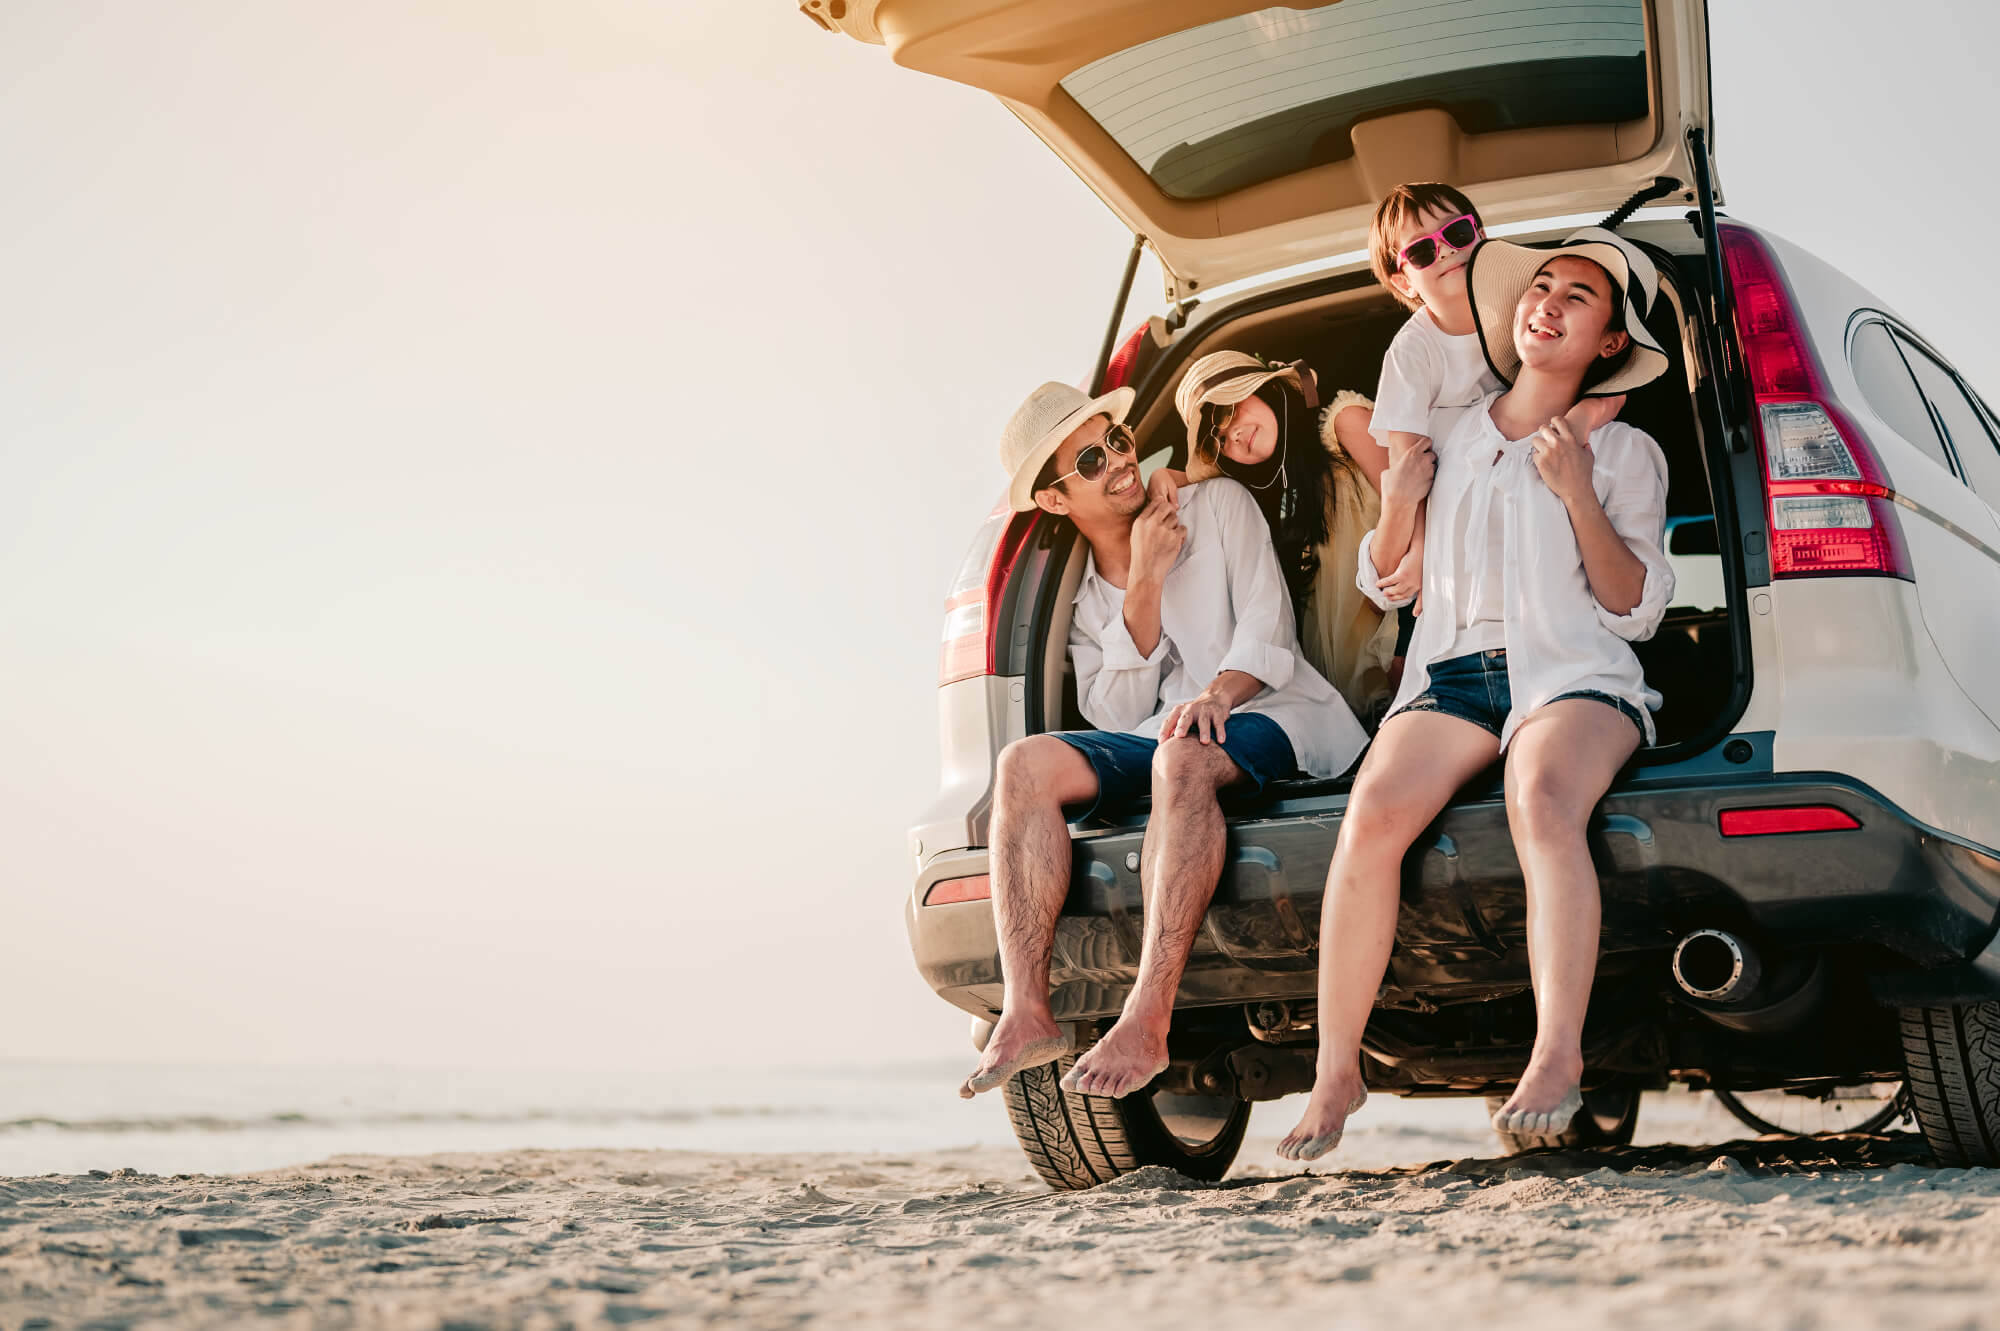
{"type": "Point", "coordinates": [1716, 967]}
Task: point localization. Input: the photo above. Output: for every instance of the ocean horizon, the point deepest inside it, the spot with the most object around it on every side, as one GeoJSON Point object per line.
{"type": "Point", "coordinates": [69, 1118]}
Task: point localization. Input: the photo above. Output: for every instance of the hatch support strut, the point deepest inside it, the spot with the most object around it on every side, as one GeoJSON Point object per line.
{"type": "Point", "coordinates": [1117, 315]}
{"type": "Point", "coordinates": [1721, 308]}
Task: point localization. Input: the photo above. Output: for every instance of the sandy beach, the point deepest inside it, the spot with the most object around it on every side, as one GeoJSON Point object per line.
{"type": "Point", "coordinates": [1791, 1233]}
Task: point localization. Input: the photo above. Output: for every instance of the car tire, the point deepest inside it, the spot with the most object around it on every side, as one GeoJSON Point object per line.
{"type": "Point", "coordinates": [1609, 1117]}
{"type": "Point", "coordinates": [1078, 1141]}
{"type": "Point", "coordinates": [1952, 1055]}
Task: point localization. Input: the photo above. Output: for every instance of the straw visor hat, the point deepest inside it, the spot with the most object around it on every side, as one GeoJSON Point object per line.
{"type": "Point", "coordinates": [1222, 379]}
{"type": "Point", "coordinates": [1038, 427]}
{"type": "Point", "coordinates": [1500, 271]}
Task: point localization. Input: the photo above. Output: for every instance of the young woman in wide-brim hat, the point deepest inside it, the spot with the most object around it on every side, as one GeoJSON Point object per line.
{"type": "Point", "coordinates": [1544, 562]}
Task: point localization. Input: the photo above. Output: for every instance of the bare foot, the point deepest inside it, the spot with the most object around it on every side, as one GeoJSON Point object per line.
{"type": "Point", "coordinates": [1325, 1119]}
{"type": "Point", "coordinates": [1545, 1101]}
{"type": "Point", "coordinates": [1129, 1056]}
{"type": "Point", "coordinates": [1016, 1043]}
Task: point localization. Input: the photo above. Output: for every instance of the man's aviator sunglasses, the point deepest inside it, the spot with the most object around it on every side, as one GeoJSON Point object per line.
{"type": "Point", "coordinates": [1459, 233]}
{"type": "Point", "coordinates": [1092, 461]}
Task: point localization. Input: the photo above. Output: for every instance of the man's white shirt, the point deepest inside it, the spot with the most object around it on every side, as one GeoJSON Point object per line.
{"type": "Point", "coordinates": [1223, 606]}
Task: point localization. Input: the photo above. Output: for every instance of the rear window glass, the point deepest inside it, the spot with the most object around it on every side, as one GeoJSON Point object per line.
{"type": "Point", "coordinates": [1261, 95]}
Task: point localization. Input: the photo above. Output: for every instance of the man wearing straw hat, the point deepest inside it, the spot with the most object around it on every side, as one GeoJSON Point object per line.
{"type": "Point", "coordinates": [1187, 661]}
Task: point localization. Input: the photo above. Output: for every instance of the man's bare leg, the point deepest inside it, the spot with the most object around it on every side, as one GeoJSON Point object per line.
{"type": "Point", "coordinates": [1562, 760]}
{"type": "Point", "coordinates": [1184, 845]}
{"type": "Point", "coordinates": [1418, 761]}
{"type": "Point", "coordinates": [1030, 866]}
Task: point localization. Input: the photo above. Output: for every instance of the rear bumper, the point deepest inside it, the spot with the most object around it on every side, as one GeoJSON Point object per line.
{"type": "Point", "coordinates": [1911, 899]}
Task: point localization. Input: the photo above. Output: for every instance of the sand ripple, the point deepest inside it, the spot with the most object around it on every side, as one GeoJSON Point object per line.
{"type": "Point", "coordinates": [1757, 1235]}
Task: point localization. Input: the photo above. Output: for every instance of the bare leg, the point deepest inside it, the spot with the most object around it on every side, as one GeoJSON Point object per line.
{"type": "Point", "coordinates": [1030, 865]}
{"type": "Point", "coordinates": [1182, 862]}
{"type": "Point", "coordinates": [1418, 761]}
{"type": "Point", "coordinates": [1561, 762]}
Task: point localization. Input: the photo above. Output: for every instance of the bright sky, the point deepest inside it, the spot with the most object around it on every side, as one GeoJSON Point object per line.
{"type": "Point", "coordinates": [481, 479]}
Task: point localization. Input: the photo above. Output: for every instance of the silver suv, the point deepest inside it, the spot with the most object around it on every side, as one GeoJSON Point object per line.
{"type": "Point", "coordinates": [1801, 881]}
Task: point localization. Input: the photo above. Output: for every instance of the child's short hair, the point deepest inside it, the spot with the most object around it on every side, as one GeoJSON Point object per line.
{"type": "Point", "coordinates": [1396, 210]}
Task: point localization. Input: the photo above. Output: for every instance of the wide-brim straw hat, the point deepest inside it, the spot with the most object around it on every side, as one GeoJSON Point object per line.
{"type": "Point", "coordinates": [1499, 272]}
{"type": "Point", "coordinates": [1222, 379]}
{"type": "Point", "coordinates": [1040, 424]}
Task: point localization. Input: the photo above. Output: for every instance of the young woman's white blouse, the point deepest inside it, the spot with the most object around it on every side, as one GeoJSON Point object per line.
{"type": "Point", "coordinates": [1560, 638]}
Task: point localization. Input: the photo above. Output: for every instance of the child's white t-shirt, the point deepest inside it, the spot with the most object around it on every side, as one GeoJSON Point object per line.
{"type": "Point", "coordinates": [1425, 370]}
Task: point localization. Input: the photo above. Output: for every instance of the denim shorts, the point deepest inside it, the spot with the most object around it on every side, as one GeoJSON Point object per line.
{"type": "Point", "coordinates": [1124, 762]}
{"type": "Point", "coordinates": [1474, 688]}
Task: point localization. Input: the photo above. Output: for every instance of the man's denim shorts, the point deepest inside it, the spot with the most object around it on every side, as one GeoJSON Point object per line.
{"type": "Point", "coordinates": [1474, 688]}
{"type": "Point", "coordinates": [1124, 762]}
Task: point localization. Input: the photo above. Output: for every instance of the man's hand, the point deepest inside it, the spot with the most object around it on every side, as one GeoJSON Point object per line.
{"type": "Point", "coordinates": [1409, 478]}
{"type": "Point", "coordinates": [1164, 486]}
{"type": "Point", "coordinates": [1157, 536]}
{"type": "Point", "coordinates": [1407, 580]}
{"type": "Point", "coordinates": [1564, 462]}
{"type": "Point", "coordinates": [1204, 716]}
{"type": "Point", "coordinates": [1588, 415]}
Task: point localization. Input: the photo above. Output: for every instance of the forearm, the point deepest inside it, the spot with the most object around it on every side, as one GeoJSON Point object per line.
{"type": "Point", "coordinates": [1617, 576]}
{"type": "Point", "coordinates": [1393, 534]}
{"type": "Point", "coordinates": [1142, 614]}
{"type": "Point", "coordinates": [1235, 687]}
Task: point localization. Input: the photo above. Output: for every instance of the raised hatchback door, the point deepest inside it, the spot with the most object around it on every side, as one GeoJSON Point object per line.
{"type": "Point", "coordinates": [1240, 139]}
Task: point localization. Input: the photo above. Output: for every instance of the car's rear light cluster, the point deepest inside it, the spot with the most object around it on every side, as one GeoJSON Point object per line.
{"type": "Point", "coordinates": [969, 646]}
{"type": "Point", "coordinates": [950, 890]}
{"type": "Point", "coordinates": [1779, 821]}
{"type": "Point", "coordinates": [1829, 497]}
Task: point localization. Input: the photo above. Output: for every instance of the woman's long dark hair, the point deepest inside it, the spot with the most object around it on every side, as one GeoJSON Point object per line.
{"type": "Point", "coordinates": [1294, 487]}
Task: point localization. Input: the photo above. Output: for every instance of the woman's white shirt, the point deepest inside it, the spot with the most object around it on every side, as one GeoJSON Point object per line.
{"type": "Point", "coordinates": [1481, 624]}
{"type": "Point", "coordinates": [1427, 369]}
{"type": "Point", "coordinates": [1223, 606]}
{"type": "Point", "coordinates": [1559, 637]}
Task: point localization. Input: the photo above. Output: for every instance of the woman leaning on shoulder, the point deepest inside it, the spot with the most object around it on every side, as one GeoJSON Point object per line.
{"type": "Point", "coordinates": [1314, 478]}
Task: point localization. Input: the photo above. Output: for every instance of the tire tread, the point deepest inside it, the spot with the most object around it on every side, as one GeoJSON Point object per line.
{"type": "Point", "coordinates": [1952, 1055]}
{"type": "Point", "coordinates": [1079, 1141]}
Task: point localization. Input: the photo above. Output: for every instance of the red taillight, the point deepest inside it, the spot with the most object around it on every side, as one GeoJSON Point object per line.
{"type": "Point", "coordinates": [959, 889]}
{"type": "Point", "coordinates": [1829, 498]}
{"type": "Point", "coordinates": [1775, 822]}
{"type": "Point", "coordinates": [969, 648]}
{"type": "Point", "coordinates": [1118, 369]}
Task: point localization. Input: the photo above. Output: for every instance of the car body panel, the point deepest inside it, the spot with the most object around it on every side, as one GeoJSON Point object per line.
{"type": "Point", "coordinates": [1462, 930]}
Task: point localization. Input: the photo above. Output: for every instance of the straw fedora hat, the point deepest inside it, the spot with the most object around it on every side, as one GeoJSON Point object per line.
{"type": "Point", "coordinates": [1222, 379]}
{"type": "Point", "coordinates": [1038, 427]}
{"type": "Point", "coordinates": [1500, 271]}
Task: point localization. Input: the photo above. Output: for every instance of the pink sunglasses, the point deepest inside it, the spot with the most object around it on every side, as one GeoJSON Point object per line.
{"type": "Point", "coordinates": [1421, 253]}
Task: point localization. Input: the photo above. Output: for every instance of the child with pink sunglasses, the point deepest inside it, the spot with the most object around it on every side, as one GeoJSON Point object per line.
{"type": "Point", "coordinates": [1421, 238]}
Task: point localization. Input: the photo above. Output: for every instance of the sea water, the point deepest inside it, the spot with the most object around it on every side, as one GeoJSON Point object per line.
{"type": "Point", "coordinates": [163, 1119]}
{"type": "Point", "coordinates": [67, 1118]}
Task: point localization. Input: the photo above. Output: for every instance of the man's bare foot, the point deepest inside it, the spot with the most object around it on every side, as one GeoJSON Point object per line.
{"type": "Point", "coordinates": [1016, 1043]}
{"type": "Point", "coordinates": [1545, 1101]}
{"type": "Point", "coordinates": [1334, 1099]}
{"type": "Point", "coordinates": [1126, 1059]}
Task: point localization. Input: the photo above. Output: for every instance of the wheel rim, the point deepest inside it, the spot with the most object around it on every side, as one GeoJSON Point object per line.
{"type": "Point", "coordinates": [1610, 1108]}
{"type": "Point", "coordinates": [1868, 1108]}
{"type": "Point", "coordinates": [1194, 1122]}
